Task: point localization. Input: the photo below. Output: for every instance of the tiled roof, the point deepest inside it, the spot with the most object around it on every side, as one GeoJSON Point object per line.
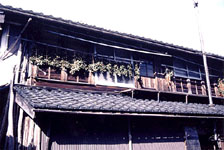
{"type": "Point", "coordinates": [70, 100]}
{"type": "Point", "coordinates": [30, 13]}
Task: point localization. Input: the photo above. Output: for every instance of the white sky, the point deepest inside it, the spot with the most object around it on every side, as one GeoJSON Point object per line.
{"type": "Point", "coordinates": [171, 21]}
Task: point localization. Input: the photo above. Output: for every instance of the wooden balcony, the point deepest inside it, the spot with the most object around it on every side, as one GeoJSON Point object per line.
{"type": "Point", "coordinates": [177, 85]}
{"type": "Point", "coordinates": [158, 83]}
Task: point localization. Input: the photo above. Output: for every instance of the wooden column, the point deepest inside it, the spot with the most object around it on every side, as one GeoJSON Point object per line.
{"type": "Point", "coordinates": [18, 64]}
{"type": "Point", "coordinates": [129, 135]}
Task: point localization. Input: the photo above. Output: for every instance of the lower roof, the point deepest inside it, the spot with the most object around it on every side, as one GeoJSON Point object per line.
{"type": "Point", "coordinates": [42, 99]}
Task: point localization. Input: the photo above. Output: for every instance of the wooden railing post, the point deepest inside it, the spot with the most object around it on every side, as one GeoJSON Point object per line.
{"type": "Point", "coordinates": [49, 73]}
{"type": "Point", "coordinates": [189, 86]}
{"type": "Point", "coordinates": [181, 84]}
{"type": "Point", "coordinates": [203, 88]}
{"type": "Point", "coordinates": [216, 89]}
{"type": "Point", "coordinates": [64, 74]}
{"type": "Point", "coordinates": [174, 88]}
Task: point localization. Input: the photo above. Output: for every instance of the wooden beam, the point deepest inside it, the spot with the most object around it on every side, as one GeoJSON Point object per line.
{"type": "Point", "coordinates": [25, 106]}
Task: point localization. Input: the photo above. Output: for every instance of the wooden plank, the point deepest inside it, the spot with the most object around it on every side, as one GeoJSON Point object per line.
{"type": "Point", "coordinates": [30, 135]}
{"type": "Point", "coordinates": [80, 86]}
{"type": "Point", "coordinates": [37, 137]}
{"type": "Point", "coordinates": [25, 106]}
{"type": "Point", "coordinates": [20, 129]}
{"type": "Point", "coordinates": [9, 143]}
{"type": "Point", "coordinates": [26, 132]}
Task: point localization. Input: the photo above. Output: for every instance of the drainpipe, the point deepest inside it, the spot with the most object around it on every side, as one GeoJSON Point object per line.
{"type": "Point", "coordinates": [203, 55]}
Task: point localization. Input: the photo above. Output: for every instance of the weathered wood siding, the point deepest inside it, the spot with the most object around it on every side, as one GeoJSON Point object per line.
{"type": "Point", "coordinates": [94, 133]}
{"type": "Point", "coordinates": [152, 135]}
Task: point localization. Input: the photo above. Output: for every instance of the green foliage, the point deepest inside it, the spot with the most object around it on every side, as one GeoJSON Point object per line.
{"type": "Point", "coordinates": [137, 71]}
{"type": "Point", "coordinates": [79, 64]}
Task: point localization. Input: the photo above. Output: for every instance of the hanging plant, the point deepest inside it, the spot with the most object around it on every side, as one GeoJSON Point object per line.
{"type": "Point", "coordinates": [39, 61]}
{"type": "Point", "coordinates": [77, 66]}
{"type": "Point", "coordinates": [168, 74]}
{"type": "Point", "coordinates": [116, 70]}
{"type": "Point", "coordinates": [109, 68]}
{"type": "Point", "coordinates": [102, 67]}
{"type": "Point", "coordinates": [129, 70]}
{"type": "Point", "coordinates": [123, 70]}
{"type": "Point", "coordinates": [64, 64]}
{"type": "Point", "coordinates": [55, 62]}
{"type": "Point", "coordinates": [137, 71]}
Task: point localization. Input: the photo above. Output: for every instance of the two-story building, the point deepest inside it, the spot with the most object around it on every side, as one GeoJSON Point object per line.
{"type": "Point", "coordinates": [75, 86]}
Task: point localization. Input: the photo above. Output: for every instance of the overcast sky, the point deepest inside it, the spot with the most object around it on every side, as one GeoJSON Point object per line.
{"type": "Point", "coordinates": [172, 21]}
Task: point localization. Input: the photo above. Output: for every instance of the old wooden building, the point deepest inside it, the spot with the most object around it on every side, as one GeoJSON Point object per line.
{"type": "Point", "coordinates": [76, 86]}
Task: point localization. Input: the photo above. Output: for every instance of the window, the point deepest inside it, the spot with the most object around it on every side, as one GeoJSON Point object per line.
{"type": "Point", "coordinates": [186, 70]}
{"type": "Point", "coordinates": [146, 69]}
{"type": "Point", "coordinates": [113, 56]}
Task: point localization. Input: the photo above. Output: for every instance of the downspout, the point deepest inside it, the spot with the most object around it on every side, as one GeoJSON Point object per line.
{"type": "Point", "coordinates": [203, 54]}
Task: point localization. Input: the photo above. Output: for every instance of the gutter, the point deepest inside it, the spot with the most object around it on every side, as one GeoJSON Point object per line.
{"type": "Point", "coordinates": [126, 114]}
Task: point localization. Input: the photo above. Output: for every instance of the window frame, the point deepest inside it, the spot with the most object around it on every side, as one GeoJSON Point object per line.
{"type": "Point", "coordinates": [187, 70]}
